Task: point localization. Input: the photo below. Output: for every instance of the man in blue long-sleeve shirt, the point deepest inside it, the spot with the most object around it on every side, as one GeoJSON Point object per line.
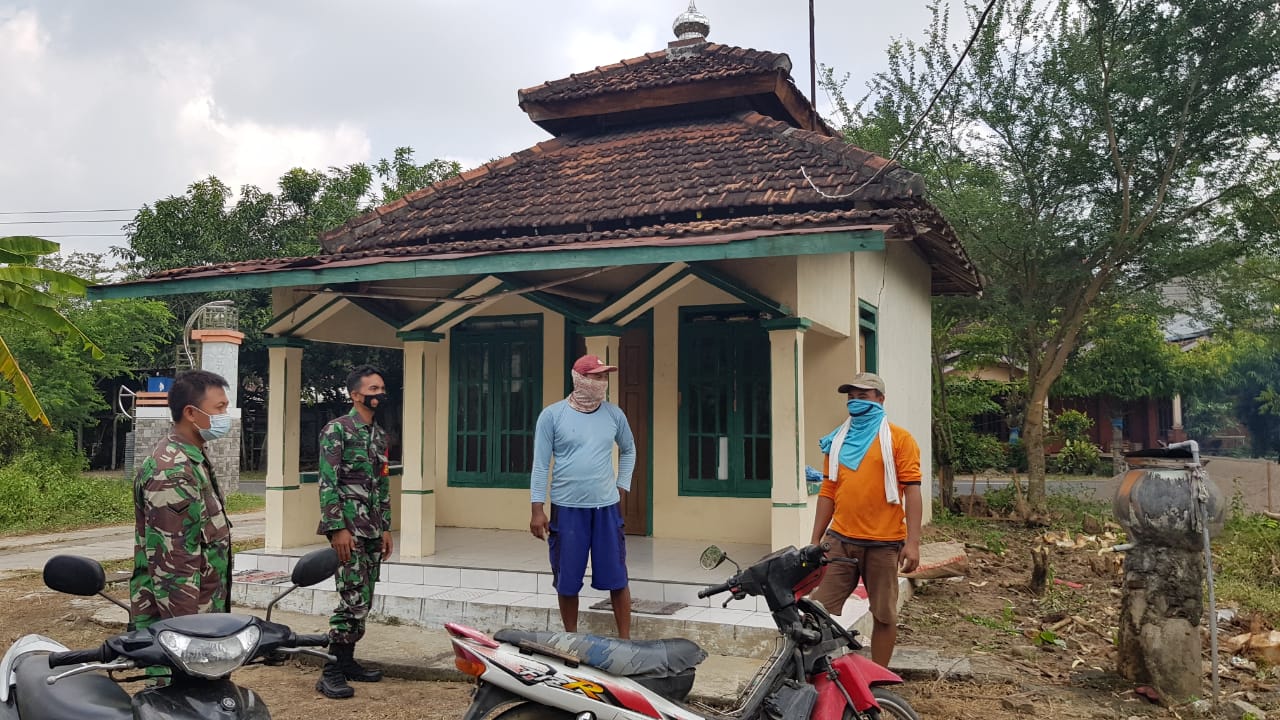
{"type": "Point", "coordinates": [579, 433]}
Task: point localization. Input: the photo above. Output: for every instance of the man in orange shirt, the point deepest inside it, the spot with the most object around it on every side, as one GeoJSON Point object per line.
{"type": "Point", "coordinates": [869, 510]}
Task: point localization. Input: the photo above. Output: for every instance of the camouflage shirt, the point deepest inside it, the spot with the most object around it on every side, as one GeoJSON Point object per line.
{"type": "Point", "coordinates": [182, 537]}
{"type": "Point", "coordinates": [355, 490]}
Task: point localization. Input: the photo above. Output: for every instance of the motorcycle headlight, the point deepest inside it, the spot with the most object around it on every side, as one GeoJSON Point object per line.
{"type": "Point", "coordinates": [210, 657]}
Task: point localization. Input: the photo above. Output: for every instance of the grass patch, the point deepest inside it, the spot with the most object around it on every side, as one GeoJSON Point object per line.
{"type": "Point", "coordinates": [1247, 565]}
{"type": "Point", "coordinates": [40, 496]}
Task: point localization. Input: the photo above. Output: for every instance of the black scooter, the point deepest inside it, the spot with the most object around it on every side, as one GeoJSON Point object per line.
{"type": "Point", "coordinates": [200, 651]}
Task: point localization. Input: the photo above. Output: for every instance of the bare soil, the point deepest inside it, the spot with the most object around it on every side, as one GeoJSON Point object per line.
{"type": "Point", "coordinates": [989, 616]}
{"type": "Point", "coordinates": [1050, 655]}
{"type": "Point", "coordinates": [26, 606]}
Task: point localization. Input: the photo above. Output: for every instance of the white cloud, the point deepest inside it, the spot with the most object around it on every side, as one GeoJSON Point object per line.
{"type": "Point", "coordinates": [589, 48]}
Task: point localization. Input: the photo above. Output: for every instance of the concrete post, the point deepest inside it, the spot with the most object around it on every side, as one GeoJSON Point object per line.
{"type": "Point", "coordinates": [422, 360]}
{"type": "Point", "coordinates": [293, 509]}
{"type": "Point", "coordinates": [220, 353]}
{"type": "Point", "coordinates": [791, 520]}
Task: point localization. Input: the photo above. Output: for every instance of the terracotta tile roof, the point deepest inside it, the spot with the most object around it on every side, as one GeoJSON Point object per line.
{"type": "Point", "coordinates": [744, 164]}
{"type": "Point", "coordinates": [920, 224]}
{"type": "Point", "coordinates": [678, 66]}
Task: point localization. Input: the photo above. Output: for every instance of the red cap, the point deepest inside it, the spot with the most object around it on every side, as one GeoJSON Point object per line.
{"type": "Point", "coordinates": [592, 365]}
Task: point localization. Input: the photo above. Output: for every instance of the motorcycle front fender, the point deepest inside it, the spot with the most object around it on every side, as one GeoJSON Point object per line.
{"type": "Point", "coordinates": [857, 675]}
{"type": "Point", "coordinates": [199, 699]}
{"type": "Point", "coordinates": [487, 697]}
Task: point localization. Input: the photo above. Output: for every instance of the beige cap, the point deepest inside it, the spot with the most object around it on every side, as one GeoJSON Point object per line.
{"type": "Point", "coordinates": [863, 381]}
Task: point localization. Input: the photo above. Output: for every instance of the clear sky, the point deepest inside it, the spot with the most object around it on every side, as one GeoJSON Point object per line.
{"type": "Point", "coordinates": [117, 104]}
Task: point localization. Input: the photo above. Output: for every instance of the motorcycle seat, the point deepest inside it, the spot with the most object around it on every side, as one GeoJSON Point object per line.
{"type": "Point", "coordinates": [92, 696]}
{"type": "Point", "coordinates": [628, 658]}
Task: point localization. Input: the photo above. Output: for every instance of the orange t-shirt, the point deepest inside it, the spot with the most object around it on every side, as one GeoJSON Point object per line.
{"type": "Point", "coordinates": [861, 512]}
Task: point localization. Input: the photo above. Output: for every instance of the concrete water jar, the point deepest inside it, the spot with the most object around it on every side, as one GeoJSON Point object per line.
{"type": "Point", "coordinates": [1156, 501]}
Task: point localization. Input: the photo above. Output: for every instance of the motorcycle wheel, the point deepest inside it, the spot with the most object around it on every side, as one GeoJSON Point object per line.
{"type": "Point", "coordinates": [891, 706]}
{"type": "Point", "coordinates": [533, 711]}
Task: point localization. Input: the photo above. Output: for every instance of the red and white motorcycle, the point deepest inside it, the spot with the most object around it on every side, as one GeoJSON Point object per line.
{"type": "Point", "coordinates": [563, 676]}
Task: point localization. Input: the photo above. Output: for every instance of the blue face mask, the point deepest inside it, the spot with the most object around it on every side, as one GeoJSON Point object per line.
{"type": "Point", "coordinates": [859, 408]}
{"type": "Point", "coordinates": [219, 426]}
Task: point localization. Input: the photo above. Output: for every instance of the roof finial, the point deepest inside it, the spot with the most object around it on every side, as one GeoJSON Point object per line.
{"type": "Point", "coordinates": [691, 24]}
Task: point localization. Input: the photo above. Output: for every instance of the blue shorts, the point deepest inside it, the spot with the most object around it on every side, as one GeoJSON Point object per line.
{"type": "Point", "coordinates": [575, 532]}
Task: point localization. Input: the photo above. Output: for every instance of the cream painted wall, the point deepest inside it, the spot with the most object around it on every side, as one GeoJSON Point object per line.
{"type": "Point", "coordinates": [824, 284]}
{"type": "Point", "coordinates": [774, 277]}
{"type": "Point", "coordinates": [353, 326]}
{"type": "Point", "coordinates": [697, 518]}
{"type": "Point", "coordinates": [506, 509]}
{"type": "Point", "coordinates": [904, 336]}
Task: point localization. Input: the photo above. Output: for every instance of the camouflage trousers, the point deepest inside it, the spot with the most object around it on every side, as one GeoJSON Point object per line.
{"type": "Point", "coordinates": [355, 580]}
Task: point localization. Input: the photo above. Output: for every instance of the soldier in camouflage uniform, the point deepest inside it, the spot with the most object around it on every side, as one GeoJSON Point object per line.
{"type": "Point", "coordinates": [182, 537]}
{"type": "Point", "coordinates": [355, 514]}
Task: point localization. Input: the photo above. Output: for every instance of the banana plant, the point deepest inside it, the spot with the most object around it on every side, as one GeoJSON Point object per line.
{"type": "Point", "coordinates": [31, 294]}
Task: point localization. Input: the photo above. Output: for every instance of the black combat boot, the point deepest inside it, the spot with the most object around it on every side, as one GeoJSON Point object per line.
{"type": "Point", "coordinates": [333, 683]}
{"type": "Point", "coordinates": [352, 670]}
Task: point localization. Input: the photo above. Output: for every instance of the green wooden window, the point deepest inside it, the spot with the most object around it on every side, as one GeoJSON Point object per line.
{"type": "Point", "coordinates": [725, 438]}
{"type": "Point", "coordinates": [495, 395]}
{"type": "Point", "coordinates": [868, 320]}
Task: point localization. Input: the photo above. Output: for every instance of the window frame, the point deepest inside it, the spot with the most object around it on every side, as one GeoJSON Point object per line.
{"type": "Point", "coordinates": [693, 338]}
{"type": "Point", "coordinates": [869, 322]}
{"type": "Point", "coordinates": [465, 336]}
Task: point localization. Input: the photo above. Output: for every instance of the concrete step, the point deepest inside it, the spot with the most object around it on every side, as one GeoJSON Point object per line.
{"type": "Point", "coordinates": [476, 597]}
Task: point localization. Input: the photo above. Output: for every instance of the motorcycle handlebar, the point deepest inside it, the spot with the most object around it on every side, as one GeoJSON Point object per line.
{"type": "Point", "coordinates": [311, 640]}
{"type": "Point", "coordinates": [707, 592]}
{"type": "Point", "coordinates": [78, 657]}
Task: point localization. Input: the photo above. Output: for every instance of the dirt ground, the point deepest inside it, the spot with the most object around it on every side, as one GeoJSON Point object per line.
{"type": "Point", "coordinates": [1049, 655]}
{"type": "Point", "coordinates": [26, 606]}
{"type": "Point", "coordinates": [988, 616]}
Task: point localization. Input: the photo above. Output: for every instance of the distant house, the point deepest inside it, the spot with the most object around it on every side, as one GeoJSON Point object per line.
{"type": "Point", "coordinates": [667, 227]}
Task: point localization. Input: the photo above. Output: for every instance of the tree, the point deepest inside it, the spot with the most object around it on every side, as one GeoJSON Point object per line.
{"type": "Point", "coordinates": [209, 224]}
{"type": "Point", "coordinates": [30, 297]}
{"type": "Point", "coordinates": [1087, 152]}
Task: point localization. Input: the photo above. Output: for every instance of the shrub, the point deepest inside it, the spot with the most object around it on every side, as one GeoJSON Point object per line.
{"type": "Point", "coordinates": [20, 435]}
{"type": "Point", "coordinates": [1072, 425]}
{"type": "Point", "coordinates": [975, 452]}
{"type": "Point", "coordinates": [1016, 456]}
{"type": "Point", "coordinates": [1077, 457]}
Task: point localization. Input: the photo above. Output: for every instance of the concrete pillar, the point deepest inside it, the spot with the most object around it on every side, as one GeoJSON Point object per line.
{"type": "Point", "coordinates": [220, 353]}
{"type": "Point", "coordinates": [603, 341]}
{"type": "Point", "coordinates": [293, 512]}
{"type": "Point", "coordinates": [791, 520]}
{"type": "Point", "coordinates": [421, 446]}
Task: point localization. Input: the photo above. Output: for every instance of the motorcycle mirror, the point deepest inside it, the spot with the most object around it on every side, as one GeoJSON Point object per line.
{"type": "Point", "coordinates": [316, 566]}
{"type": "Point", "coordinates": [712, 558]}
{"type": "Point", "coordinates": [74, 575]}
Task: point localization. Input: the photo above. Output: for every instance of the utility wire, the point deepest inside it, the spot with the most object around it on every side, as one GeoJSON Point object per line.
{"type": "Point", "coordinates": [919, 121]}
{"type": "Point", "coordinates": [65, 222]}
{"type": "Point", "coordinates": [63, 212]}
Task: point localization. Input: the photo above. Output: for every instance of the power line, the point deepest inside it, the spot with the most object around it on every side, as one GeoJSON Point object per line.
{"type": "Point", "coordinates": [85, 235]}
{"type": "Point", "coordinates": [64, 222]}
{"type": "Point", "coordinates": [64, 212]}
{"type": "Point", "coordinates": [919, 121]}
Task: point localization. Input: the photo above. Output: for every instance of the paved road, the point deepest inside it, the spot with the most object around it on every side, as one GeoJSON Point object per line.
{"type": "Point", "coordinates": [30, 552]}
{"type": "Point", "coordinates": [1245, 477]}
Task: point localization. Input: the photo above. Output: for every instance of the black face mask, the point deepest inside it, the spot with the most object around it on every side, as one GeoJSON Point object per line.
{"type": "Point", "coordinates": [381, 398]}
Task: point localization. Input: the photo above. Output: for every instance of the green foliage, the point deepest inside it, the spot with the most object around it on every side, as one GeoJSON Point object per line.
{"type": "Point", "coordinates": [1077, 457]}
{"type": "Point", "coordinates": [976, 452]}
{"type": "Point", "coordinates": [1247, 557]}
{"type": "Point", "coordinates": [1087, 152]}
{"type": "Point", "coordinates": [1124, 356]}
{"type": "Point", "coordinates": [31, 297]}
{"type": "Point", "coordinates": [208, 224]}
{"type": "Point", "coordinates": [20, 435]}
{"type": "Point", "coordinates": [37, 495]}
{"type": "Point", "coordinates": [1072, 425]}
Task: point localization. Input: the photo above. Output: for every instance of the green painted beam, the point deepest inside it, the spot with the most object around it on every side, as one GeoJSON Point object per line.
{"type": "Point", "coordinates": [772, 246]}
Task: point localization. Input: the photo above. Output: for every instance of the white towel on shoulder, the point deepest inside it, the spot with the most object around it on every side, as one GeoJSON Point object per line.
{"type": "Point", "coordinates": [886, 452]}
